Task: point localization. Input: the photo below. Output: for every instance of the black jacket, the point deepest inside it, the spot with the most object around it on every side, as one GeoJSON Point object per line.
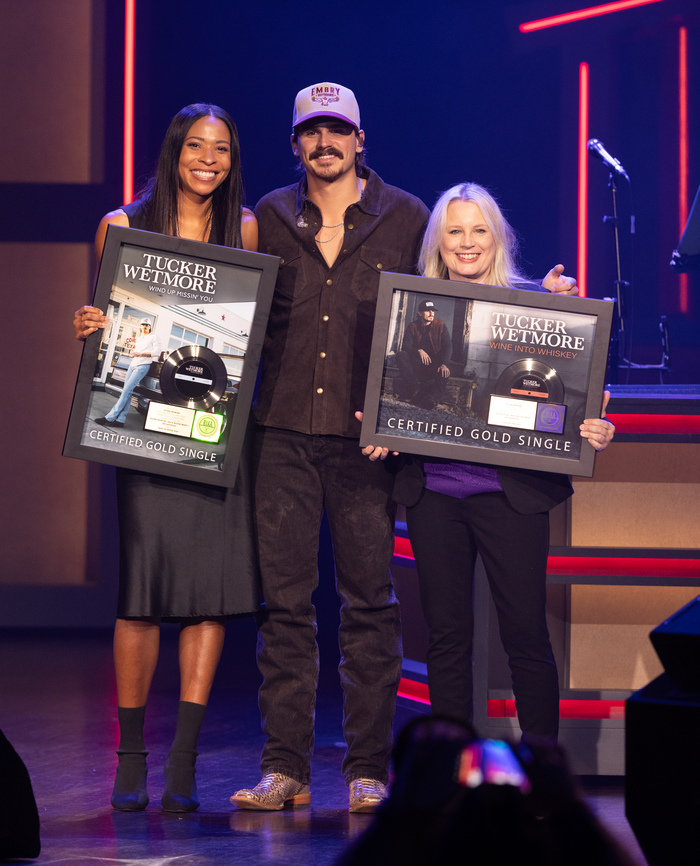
{"type": "Point", "coordinates": [527, 491]}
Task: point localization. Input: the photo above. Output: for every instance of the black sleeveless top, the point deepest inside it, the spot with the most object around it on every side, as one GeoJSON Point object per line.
{"type": "Point", "coordinates": [186, 549]}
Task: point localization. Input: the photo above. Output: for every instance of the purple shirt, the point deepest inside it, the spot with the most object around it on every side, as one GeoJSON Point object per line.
{"type": "Point", "coordinates": [461, 479]}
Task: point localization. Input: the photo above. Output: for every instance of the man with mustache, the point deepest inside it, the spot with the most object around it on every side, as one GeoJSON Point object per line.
{"type": "Point", "coordinates": [423, 359]}
{"type": "Point", "coordinates": [335, 231]}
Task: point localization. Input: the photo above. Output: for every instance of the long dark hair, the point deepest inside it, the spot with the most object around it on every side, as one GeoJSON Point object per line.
{"type": "Point", "coordinates": [160, 194]}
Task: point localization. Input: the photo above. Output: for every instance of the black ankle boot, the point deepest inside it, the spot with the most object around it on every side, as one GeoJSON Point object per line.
{"type": "Point", "coordinates": [180, 793]}
{"type": "Point", "coordinates": [130, 794]}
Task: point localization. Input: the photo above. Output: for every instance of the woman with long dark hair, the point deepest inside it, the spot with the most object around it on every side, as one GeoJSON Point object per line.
{"type": "Point", "coordinates": [169, 528]}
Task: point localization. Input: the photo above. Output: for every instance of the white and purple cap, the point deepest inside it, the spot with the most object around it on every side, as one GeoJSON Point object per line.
{"type": "Point", "coordinates": [326, 100]}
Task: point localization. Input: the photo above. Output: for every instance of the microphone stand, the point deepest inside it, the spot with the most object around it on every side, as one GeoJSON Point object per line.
{"type": "Point", "coordinates": [617, 334]}
{"type": "Point", "coordinates": [618, 359]}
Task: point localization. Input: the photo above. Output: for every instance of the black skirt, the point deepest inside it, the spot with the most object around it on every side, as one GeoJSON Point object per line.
{"type": "Point", "coordinates": [186, 549]}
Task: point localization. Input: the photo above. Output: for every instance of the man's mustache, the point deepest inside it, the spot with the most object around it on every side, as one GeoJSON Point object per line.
{"type": "Point", "coordinates": [325, 151]}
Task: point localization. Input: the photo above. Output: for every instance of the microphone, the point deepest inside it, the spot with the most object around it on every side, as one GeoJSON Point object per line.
{"type": "Point", "coordinates": [597, 149]}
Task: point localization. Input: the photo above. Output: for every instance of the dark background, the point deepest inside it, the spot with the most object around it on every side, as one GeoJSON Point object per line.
{"type": "Point", "coordinates": [448, 91]}
{"type": "Point", "coordinates": [451, 91]}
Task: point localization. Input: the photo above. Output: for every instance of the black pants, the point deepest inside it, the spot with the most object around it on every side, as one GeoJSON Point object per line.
{"type": "Point", "coordinates": [419, 382]}
{"type": "Point", "coordinates": [446, 535]}
{"type": "Point", "coordinates": [297, 476]}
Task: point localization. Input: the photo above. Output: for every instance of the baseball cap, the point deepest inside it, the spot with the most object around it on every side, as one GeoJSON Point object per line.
{"type": "Point", "coordinates": [424, 306]}
{"type": "Point", "coordinates": [326, 100]}
{"type": "Point", "coordinates": [146, 322]}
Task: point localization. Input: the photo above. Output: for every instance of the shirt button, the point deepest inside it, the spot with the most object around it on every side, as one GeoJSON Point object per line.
{"type": "Point", "coordinates": [329, 282]}
{"type": "Point", "coordinates": [345, 251]}
{"type": "Point", "coordinates": [325, 318]}
{"type": "Point", "coordinates": [322, 355]}
{"type": "Point", "coordinates": [379, 265]}
{"type": "Point", "coordinates": [281, 261]}
{"type": "Point", "coordinates": [319, 390]}
{"type": "Point", "coordinates": [351, 226]}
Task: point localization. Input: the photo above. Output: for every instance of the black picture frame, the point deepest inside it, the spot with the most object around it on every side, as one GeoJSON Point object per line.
{"type": "Point", "coordinates": [533, 359]}
{"type": "Point", "coordinates": [208, 306]}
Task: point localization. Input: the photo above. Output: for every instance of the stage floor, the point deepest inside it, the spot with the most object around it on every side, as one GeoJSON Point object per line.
{"type": "Point", "coordinates": [58, 709]}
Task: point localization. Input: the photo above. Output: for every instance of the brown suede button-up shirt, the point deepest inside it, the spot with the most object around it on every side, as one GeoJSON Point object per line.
{"type": "Point", "coordinates": [319, 335]}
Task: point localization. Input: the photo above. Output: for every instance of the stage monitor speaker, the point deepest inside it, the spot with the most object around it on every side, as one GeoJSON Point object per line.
{"type": "Point", "coordinates": [19, 819]}
{"type": "Point", "coordinates": [677, 644]}
{"type": "Point", "coordinates": [662, 768]}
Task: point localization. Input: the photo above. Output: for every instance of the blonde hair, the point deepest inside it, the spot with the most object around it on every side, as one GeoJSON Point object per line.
{"type": "Point", "coordinates": [504, 271]}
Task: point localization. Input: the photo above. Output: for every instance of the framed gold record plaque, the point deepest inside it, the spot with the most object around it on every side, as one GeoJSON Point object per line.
{"type": "Point", "coordinates": [486, 374]}
{"type": "Point", "coordinates": [167, 386]}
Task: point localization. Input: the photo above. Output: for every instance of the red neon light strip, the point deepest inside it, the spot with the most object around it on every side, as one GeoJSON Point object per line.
{"type": "Point", "coordinates": [610, 566]}
{"type": "Point", "coordinates": [402, 547]}
{"type": "Point", "coordinates": [583, 179]}
{"type": "Point", "coordinates": [129, 41]}
{"type": "Point", "coordinates": [683, 150]}
{"type": "Point", "coordinates": [505, 709]}
{"type": "Point", "coordinates": [623, 566]}
{"type": "Point", "coordinates": [655, 423]}
{"type": "Point", "coordinates": [414, 691]}
{"type": "Point", "coordinates": [591, 12]}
